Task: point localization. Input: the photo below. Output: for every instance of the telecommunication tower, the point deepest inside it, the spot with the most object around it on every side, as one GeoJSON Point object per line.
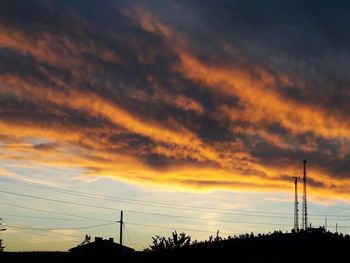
{"type": "Point", "coordinates": [296, 204]}
{"type": "Point", "coordinates": [304, 215]}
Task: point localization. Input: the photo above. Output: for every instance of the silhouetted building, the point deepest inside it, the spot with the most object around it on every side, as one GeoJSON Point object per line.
{"type": "Point", "coordinates": [320, 230]}
{"type": "Point", "coordinates": [102, 247]}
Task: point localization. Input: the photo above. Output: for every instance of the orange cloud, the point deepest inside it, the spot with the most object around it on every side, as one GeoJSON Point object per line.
{"type": "Point", "coordinates": [260, 101]}
{"type": "Point", "coordinates": [121, 136]}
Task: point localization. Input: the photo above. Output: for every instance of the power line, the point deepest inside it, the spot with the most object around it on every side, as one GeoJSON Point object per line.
{"type": "Point", "coordinates": [129, 200]}
{"type": "Point", "coordinates": [179, 228]}
{"type": "Point", "coordinates": [147, 213]}
{"type": "Point", "coordinates": [65, 228]}
{"type": "Point", "coordinates": [53, 237]}
{"type": "Point", "coordinates": [160, 204]}
{"type": "Point", "coordinates": [129, 223]}
{"type": "Point", "coordinates": [139, 212]}
{"type": "Point", "coordinates": [179, 208]}
{"type": "Point", "coordinates": [58, 201]}
{"type": "Point", "coordinates": [55, 212]}
{"type": "Point", "coordinates": [207, 219]}
{"type": "Point", "coordinates": [46, 230]}
{"type": "Point", "coordinates": [48, 218]}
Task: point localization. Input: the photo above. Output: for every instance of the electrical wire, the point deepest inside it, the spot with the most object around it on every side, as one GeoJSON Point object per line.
{"type": "Point", "coordinates": [50, 229]}
{"type": "Point", "coordinates": [52, 237]}
{"type": "Point", "coordinates": [146, 213]}
{"type": "Point", "coordinates": [165, 205]}
{"type": "Point", "coordinates": [111, 222]}
{"type": "Point", "coordinates": [134, 201]}
{"type": "Point", "coordinates": [58, 201]}
{"type": "Point", "coordinates": [140, 212]}
{"type": "Point", "coordinates": [126, 231]}
{"type": "Point", "coordinates": [55, 212]}
{"type": "Point", "coordinates": [178, 228]}
{"type": "Point", "coordinates": [47, 218]}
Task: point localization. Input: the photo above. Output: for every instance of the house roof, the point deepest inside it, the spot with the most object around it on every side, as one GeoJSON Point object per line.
{"type": "Point", "coordinates": [101, 245]}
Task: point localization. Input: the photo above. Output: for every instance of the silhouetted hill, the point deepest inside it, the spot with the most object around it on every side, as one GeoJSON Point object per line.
{"type": "Point", "coordinates": [61, 257]}
{"type": "Point", "coordinates": [276, 247]}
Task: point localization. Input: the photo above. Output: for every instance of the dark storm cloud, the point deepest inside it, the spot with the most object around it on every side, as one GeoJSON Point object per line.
{"type": "Point", "coordinates": [229, 94]}
{"type": "Point", "coordinates": [308, 40]}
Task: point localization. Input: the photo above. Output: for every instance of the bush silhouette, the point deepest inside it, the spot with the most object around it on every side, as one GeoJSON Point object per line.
{"type": "Point", "coordinates": [176, 241]}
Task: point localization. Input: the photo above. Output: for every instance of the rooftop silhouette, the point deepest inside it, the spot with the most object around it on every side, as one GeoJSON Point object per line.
{"type": "Point", "coordinates": [101, 246]}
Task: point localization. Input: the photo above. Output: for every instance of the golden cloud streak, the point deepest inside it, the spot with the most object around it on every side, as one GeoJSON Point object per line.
{"type": "Point", "coordinates": [193, 163]}
{"type": "Point", "coordinates": [261, 102]}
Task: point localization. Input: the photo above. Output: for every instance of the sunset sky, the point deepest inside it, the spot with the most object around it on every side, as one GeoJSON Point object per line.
{"type": "Point", "coordinates": [189, 115]}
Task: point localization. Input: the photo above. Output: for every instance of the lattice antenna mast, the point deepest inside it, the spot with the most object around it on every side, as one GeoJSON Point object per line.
{"type": "Point", "coordinates": [304, 215]}
{"type": "Point", "coordinates": [296, 204]}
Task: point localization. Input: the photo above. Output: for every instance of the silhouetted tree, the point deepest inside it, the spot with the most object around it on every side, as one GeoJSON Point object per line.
{"type": "Point", "coordinates": [176, 241]}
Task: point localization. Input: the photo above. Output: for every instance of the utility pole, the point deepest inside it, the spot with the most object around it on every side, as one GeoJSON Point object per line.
{"type": "Point", "coordinates": [336, 228]}
{"type": "Point", "coordinates": [304, 215]}
{"type": "Point", "coordinates": [296, 204]}
{"type": "Point", "coordinates": [121, 228]}
{"type": "Point", "coordinates": [325, 226]}
{"type": "Point", "coordinates": [1, 229]}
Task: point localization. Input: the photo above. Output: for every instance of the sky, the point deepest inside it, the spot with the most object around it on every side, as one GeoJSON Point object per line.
{"type": "Point", "coordinates": [187, 115]}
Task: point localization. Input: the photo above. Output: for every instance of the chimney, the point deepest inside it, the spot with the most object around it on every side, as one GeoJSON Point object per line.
{"type": "Point", "coordinates": [98, 239]}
